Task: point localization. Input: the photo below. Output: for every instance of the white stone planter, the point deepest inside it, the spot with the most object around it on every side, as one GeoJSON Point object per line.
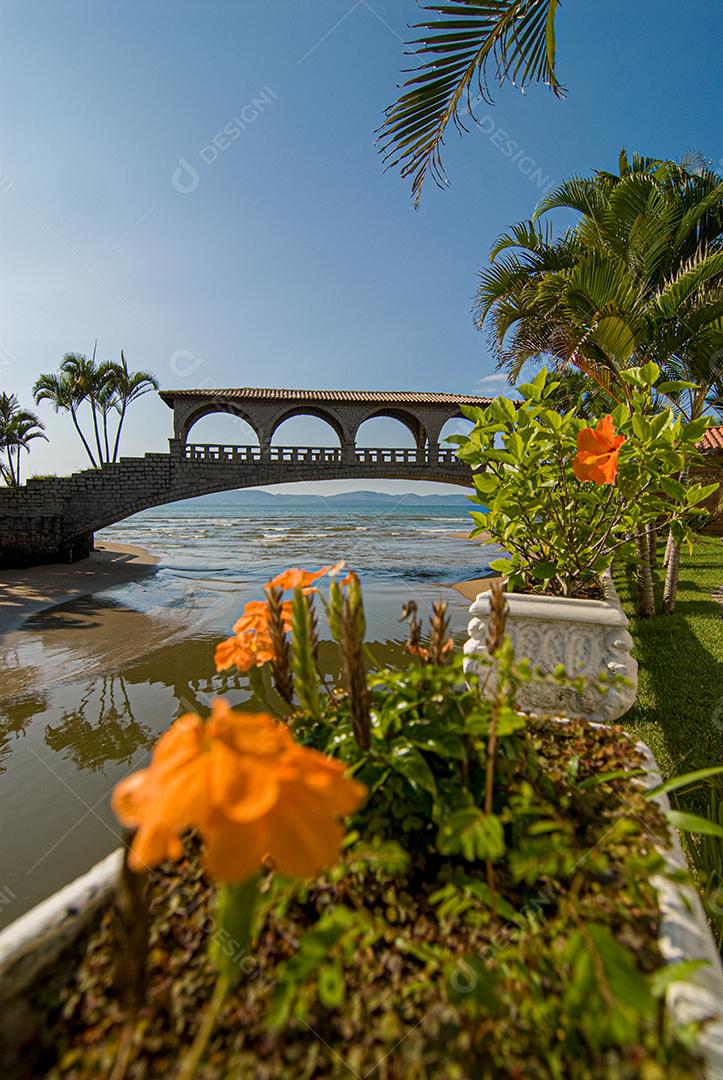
{"type": "Point", "coordinates": [588, 637]}
{"type": "Point", "coordinates": [32, 949]}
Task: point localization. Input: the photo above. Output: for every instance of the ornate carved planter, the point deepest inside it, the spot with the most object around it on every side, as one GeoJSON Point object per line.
{"type": "Point", "coordinates": [588, 637]}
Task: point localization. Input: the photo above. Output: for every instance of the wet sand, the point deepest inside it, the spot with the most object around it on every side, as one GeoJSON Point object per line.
{"type": "Point", "coordinates": [28, 591]}
{"type": "Point", "coordinates": [470, 588]}
{"type": "Point", "coordinates": [57, 623]}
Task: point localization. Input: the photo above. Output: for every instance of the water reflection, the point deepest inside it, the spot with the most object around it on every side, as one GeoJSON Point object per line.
{"type": "Point", "coordinates": [14, 723]}
{"type": "Point", "coordinates": [110, 733]}
{"type": "Point", "coordinates": [108, 692]}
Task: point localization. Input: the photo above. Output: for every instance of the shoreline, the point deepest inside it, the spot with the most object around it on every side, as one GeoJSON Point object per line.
{"type": "Point", "coordinates": [470, 588]}
{"type": "Point", "coordinates": [25, 592]}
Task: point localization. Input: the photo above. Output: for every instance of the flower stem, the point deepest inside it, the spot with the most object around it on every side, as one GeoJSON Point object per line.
{"type": "Point", "coordinates": [192, 1060]}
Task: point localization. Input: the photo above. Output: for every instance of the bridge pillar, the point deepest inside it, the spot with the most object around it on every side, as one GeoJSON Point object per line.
{"type": "Point", "coordinates": [265, 448]}
{"type": "Point", "coordinates": [175, 448]}
{"type": "Point", "coordinates": [348, 452]}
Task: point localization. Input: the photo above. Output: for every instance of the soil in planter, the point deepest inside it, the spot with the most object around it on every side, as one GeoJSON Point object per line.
{"type": "Point", "coordinates": [432, 984]}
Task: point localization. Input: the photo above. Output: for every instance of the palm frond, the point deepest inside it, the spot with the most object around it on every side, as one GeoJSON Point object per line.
{"type": "Point", "coordinates": [514, 38]}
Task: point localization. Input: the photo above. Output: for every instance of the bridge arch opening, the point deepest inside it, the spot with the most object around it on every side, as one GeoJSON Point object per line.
{"type": "Point", "coordinates": [220, 417]}
{"type": "Point", "coordinates": [221, 429]}
{"type": "Point", "coordinates": [390, 429]}
{"type": "Point", "coordinates": [307, 427]}
{"type": "Point", "coordinates": [458, 425]}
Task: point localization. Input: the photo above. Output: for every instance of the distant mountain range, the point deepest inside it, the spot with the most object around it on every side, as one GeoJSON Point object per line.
{"type": "Point", "coordinates": [252, 497]}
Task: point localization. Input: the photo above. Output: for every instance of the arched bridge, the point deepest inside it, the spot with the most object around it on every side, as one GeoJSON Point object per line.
{"type": "Point", "coordinates": [54, 519]}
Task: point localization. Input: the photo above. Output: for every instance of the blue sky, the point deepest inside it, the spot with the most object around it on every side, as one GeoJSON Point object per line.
{"type": "Point", "coordinates": [294, 260]}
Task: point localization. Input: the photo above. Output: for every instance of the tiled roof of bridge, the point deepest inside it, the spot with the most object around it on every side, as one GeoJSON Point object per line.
{"type": "Point", "coordinates": [386, 397]}
{"type": "Point", "coordinates": [712, 440]}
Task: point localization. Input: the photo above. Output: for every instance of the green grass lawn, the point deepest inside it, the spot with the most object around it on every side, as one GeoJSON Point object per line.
{"type": "Point", "coordinates": [679, 709]}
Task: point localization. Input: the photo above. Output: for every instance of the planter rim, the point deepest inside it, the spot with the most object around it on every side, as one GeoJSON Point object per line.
{"type": "Point", "coordinates": [33, 942]}
{"type": "Point", "coordinates": [606, 612]}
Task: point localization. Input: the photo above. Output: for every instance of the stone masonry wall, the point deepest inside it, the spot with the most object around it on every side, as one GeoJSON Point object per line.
{"type": "Point", "coordinates": [53, 520]}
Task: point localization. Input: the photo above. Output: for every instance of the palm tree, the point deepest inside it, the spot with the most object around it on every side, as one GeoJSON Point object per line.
{"type": "Point", "coordinates": [59, 390]}
{"type": "Point", "coordinates": [107, 400]}
{"type": "Point", "coordinates": [86, 381]}
{"type": "Point", "coordinates": [510, 39]}
{"type": "Point", "coordinates": [128, 386]}
{"type": "Point", "coordinates": [651, 235]}
{"type": "Point", "coordinates": [106, 387]}
{"type": "Point", "coordinates": [18, 428]}
{"type": "Point", "coordinates": [638, 278]}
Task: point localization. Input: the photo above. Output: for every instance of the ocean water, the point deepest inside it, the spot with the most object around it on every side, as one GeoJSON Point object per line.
{"type": "Point", "coordinates": [87, 686]}
{"type": "Point", "coordinates": [383, 542]}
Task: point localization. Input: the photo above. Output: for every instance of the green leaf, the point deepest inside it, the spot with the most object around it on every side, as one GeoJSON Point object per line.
{"type": "Point", "coordinates": [698, 493]}
{"type": "Point", "coordinates": [501, 566]}
{"type": "Point", "coordinates": [446, 744]}
{"type": "Point", "coordinates": [673, 488]}
{"type": "Point", "coordinates": [332, 988]}
{"type": "Point", "coordinates": [408, 761]}
{"type": "Point", "coordinates": [603, 778]}
{"type": "Point", "coordinates": [505, 40]}
{"type": "Point", "coordinates": [650, 373]}
{"type": "Point", "coordinates": [626, 981]}
{"type": "Point", "coordinates": [472, 834]}
{"type": "Point", "coordinates": [543, 571]}
{"type": "Point", "coordinates": [679, 971]}
{"type": "Point", "coordinates": [674, 386]}
{"type": "Point", "coordinates": [683, 781]}
{"type": "Point", "coordinates": [469, 983]}
{"type": "Point", "coordinates": [692, 823]}
{"type": "Point", "coordinates": [302, 654]}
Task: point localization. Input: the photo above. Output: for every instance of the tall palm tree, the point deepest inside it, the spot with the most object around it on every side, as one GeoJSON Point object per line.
{"type": "Point", "coordinates": [638, 278]}
{"type": "Point", "coordinates": [18, 428]}
{"type": "Point", "coordinates": [128, 386]}
{"type": "Point", "coordinates": [107, 387]}
{"type": "Point", "coordinates": [86, 382]}
{"type": "Point", "coordinates": [60, 391]}
{"type": "Point", "coordinates": [472, 39]}
{"type": "Point", "coordinates": [652, 235]}
{"type": "Point", "coordinates": [107, 400]}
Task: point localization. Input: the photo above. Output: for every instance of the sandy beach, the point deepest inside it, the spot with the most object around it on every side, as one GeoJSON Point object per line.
{"type": "Point", "coordinates": [28, 591]}
{"type": "Point", "coordinates": [56, 623]}
{"type": "Point", "coordinates": [472, 586]}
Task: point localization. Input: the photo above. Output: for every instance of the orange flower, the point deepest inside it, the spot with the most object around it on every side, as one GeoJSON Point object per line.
{"type": "Point", "coordinates": [597, 453]}
{"type": "Point", "coordinates": [249, 789]}
{"type": "Point", "coordinates": [302, 579]}
{"type": "Point", "coordinates": [251, 644]}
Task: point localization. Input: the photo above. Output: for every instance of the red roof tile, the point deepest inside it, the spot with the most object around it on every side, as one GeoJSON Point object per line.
{"type": "Point", "coordinates": [382, 397]}
{"type": "Point", "coordinates": [712, 441]}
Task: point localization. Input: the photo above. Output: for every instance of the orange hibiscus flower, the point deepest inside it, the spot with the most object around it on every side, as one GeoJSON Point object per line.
{"type": "Point", "coordinates": [596, 459]}
{"type": "Point", "coordinates": [247, 787]}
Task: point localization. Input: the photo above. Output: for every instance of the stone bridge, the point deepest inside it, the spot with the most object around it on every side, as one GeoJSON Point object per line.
{"type": "Point", "coordinates": [54, 519]}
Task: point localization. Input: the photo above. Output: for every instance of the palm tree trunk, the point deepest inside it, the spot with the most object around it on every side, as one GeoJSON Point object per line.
{"type": "Point", "coordinates": [121, 418]}
{"type": "Point", "coordinates": [668, 548]}
{"type": "Point", "coordinates": [646, 593]}
{"type": "Point", "coordinates": [17, 471]}
{"type": "Point", "coordinates": [11, 468]}
{"type": "Point", "coordinates": [653, 546]}
{"type": "Point", "coordinates": [83, 438]}
{"type": "Point", "coordinates": [105, 434]}
{"type": "Point", "coordinates": [97, 432]}
{"type": "Point", "coordinates": [670, 588]}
